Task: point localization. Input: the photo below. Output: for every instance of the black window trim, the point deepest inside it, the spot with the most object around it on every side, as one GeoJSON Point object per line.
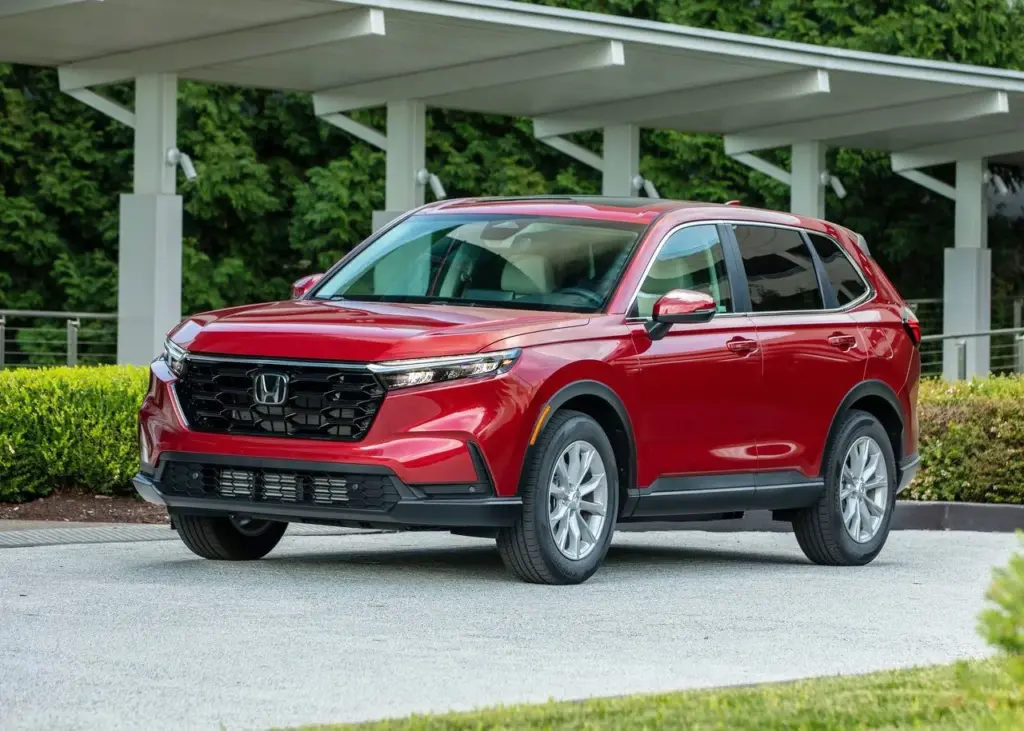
{"type": "Point", "coordinates": [730, 255]}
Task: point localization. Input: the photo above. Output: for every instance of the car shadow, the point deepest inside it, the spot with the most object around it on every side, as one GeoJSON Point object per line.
{"type": "Point", "coordinates": [469, 562]}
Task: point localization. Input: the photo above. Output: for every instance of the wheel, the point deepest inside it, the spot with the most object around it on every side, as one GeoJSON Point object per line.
{"type": "Point", "coordinates": [850, 522]}
{"type": "Point", "coordinates": [228, 539]}
{"type": "Point", "coordinates": [570, 492]}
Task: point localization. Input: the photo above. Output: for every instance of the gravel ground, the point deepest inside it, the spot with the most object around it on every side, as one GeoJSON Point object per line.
{"type": "Point", "coordinates": [339, 628]}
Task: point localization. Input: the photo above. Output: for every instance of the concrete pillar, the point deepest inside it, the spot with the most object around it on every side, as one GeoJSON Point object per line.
{"type": "Point", "coordinates": [967, 285]}
{"type": "Point", "coordinates": [621, 160]}
{"type": "Point", "coordinates": [406, 155]}
{"type": "Point", "coordinates": [149, 233]}
{"type": "Point", "coordinates": [806, 192]}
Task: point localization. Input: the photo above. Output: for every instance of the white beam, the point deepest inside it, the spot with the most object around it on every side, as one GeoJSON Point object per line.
{"type": "Point", "coordinates": [945, 152]}
{"type": "Point", "coordinates": [685, 102]}
{"type": "Point", "coordinates": [574, 151]}
{"type": "Point", "coordinates": [927, 181]}
{"type": "Point", "coordinates": [765, 167]}
{"type": "Point", "coordinates": [495, 72]}
{"type": "Point", "coordinates": [156, 132]}
{"type": "Point", "coordinates": [366, 134]}
{"type": "Point", "coordinates": [105, 106]}
{"type": "Point", "coordinates": [937, 111]}
{"type": "Point", "coordinates": [225, 48]}
{"type": "Point", "coordinates": [10, 8]}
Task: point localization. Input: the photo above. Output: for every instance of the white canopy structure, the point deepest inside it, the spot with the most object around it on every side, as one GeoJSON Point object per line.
{"type": "Point", "coordinates": [570, 71]}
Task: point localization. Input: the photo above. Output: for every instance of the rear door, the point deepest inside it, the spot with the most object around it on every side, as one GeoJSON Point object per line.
{"type": "Point", "coordinates": [813, 352]}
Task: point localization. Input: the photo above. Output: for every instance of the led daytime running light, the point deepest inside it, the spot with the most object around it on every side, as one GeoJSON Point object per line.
{"type": "Point", "coordinates": [409, 373]}
{"type": "Point", "coordinates": [174, 357]}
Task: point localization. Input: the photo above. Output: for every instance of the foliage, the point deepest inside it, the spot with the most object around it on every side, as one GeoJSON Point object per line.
{"type": "Point", "coordinates": [61, 426]}
{"type": "Point", "coordinates": [281, 194]}
{"type": "Point", "coordinates": [971, 441]}
{"type": "Point", "coordinates": [924, 698]}
{"type": "Point", "coordinates": [1003, 624]}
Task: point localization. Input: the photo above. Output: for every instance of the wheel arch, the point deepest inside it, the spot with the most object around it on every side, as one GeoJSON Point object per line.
{"type": "Point", "coordinates": [603, 404]}
{"type": "Point", "coordinates": [880, 400]}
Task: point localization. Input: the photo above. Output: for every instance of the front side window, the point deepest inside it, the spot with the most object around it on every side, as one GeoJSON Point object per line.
{"type": "Point", "coordinates": [848, 285]}
{"type": "Point", "coordinates": [780, 270]}
{"type": "Point", "coordinates": [692, 258]}
{"type": "Point", "coordinates": [528, 262]}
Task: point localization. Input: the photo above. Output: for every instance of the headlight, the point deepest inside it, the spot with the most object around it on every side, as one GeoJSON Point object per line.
{"type": "Point", "coordinates": [174, 357]}
{"type": "Point", "coordinates": [407, 373]}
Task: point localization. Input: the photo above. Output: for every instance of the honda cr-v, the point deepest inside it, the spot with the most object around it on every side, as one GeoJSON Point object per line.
{"type": "Point", "coordinates": [541, 370]}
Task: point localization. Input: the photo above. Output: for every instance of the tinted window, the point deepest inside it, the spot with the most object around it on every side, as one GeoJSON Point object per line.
{"type": "Point", "coordinates": [692, 258]}
{"type": "Point", "coordinates": [780, 271]}
{"type": "Point", "coordinates": [846, 282]}
{"type": "Point", "coordinates": [528, 262]}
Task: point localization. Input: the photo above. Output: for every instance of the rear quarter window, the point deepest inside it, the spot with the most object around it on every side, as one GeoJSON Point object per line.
{"type": "Point", "coordinates": [846, 280]}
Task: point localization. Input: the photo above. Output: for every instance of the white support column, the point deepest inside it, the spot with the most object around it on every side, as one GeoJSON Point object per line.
{"type": "Point", "coordinates": [807, 192]}
{"type": "Point", "coordinates": [967, 287]}
{"type": "Point", "coordinates": [406, 156]}
{"type": "Point", "coordinates": [621, 160]}
{"type": "Point", "coordinates": [149, 256]}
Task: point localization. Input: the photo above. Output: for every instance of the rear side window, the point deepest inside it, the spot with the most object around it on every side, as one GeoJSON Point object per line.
{"type": "Point", "coordinates": [780, 270]}
{"type": "Point", "coordinates": [847, 283]}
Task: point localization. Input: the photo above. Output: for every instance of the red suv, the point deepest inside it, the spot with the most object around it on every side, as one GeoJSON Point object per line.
{"type": "Point", "coordinates": [539, 370]}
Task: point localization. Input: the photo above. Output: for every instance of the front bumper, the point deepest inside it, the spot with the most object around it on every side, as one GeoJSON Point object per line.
{"type": "Point", "coordinates": [366, 496]}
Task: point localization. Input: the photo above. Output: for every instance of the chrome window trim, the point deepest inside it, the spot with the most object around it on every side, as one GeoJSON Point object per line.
{"type": "Point", "coordinates": [342, 365]}
{"type": "Point", "coordinates": [866, 297]}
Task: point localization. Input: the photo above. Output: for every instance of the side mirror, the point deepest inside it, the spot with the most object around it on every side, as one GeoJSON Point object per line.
{"type": "Point", "coordinates": [678, 307]}
{"type": "Point", "coordinates": [302, 286]}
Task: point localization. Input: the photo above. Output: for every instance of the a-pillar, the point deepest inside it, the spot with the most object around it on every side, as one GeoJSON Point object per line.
{"type": "Point", "coordinates": [149, 235]}
{"type": "Point", "coordinates": [406, 156]}
{"type": "Point", "coordinates": [621, 160]}
{"type": "Point", "coordinates": [967, 288]}
{"type": "Point", "coordinates": [806, 191]}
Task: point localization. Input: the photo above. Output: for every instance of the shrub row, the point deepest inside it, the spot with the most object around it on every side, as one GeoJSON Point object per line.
{"type": "Point", "coordinates": [77, 426]}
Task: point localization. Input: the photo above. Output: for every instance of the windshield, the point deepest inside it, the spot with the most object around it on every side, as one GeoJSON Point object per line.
{"type": "Point", "coordinates": [536, 262]}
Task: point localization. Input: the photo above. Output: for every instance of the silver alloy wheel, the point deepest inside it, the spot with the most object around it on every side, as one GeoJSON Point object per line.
{"type": "Point", "coordinates": [249, 526]}
{"type": "Point", "coordinates": [864, 489]}
{"type": "Point", "coordinates": [577, 500]}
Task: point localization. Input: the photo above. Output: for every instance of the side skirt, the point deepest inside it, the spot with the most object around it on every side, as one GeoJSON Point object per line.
{"type": "Point", "coordinates": [680, 497]}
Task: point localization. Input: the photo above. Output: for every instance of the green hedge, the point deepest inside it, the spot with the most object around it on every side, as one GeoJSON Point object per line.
{"type": "Point", "coordinates": [69, 426]}
{"type": "Point", "coordinates": [76, 426]}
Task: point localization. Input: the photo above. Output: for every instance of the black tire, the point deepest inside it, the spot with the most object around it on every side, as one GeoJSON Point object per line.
{"type": "Point", "coordinates": [220, 539]}
{"type": "Point", "coordinates": [820, 529]}
{"type": "Point", "coordinates": [528, 549]}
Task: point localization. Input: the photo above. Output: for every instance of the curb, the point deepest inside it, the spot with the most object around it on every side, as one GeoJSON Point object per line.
{"type": "Point", "coordinates": [909, 515]}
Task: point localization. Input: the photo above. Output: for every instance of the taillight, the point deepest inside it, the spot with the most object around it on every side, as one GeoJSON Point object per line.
{"type": "Point", "coordinates": [911, 325]}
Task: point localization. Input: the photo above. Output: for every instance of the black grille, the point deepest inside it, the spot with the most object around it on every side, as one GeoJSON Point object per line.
{"type": "Point", "coordinates": [322, 402]}
{"type": "Point", "coordinates": [282, 486]}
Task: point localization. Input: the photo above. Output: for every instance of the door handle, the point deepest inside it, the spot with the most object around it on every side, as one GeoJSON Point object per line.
{"type": "Point", "coordinates": [742, 345]}
{"type": "Point", "coordinates": [842, 341]}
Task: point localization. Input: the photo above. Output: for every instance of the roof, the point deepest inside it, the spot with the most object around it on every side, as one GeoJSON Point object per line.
{"type": "Point", "coordinates": [567, 69]}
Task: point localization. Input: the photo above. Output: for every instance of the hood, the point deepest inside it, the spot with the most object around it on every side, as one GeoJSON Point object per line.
{"type": "Point", "coordinates": [359, 331]}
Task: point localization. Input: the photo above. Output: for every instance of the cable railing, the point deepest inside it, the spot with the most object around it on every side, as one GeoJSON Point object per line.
{"type": "Point", "coordinates": [1015, 346]}
{"type": "Point", "coordinates": [34, 338]}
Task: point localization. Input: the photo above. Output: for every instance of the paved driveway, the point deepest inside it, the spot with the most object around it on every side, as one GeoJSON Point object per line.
{"type": "Point", "coordinates": [144, 635]}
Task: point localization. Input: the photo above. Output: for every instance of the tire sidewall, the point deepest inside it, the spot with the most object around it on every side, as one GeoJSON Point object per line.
{"type": "Point", "coordinates": [860, 425]}
{"type": "Point", "coordinates": [576, 428]}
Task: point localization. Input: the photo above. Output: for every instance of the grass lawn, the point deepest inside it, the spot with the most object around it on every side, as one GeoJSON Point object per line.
{"type": "Point", "coordinates": [974, 695]}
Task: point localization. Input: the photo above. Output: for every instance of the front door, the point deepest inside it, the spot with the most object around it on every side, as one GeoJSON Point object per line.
{"type": "Point", "coordinates": [696, 440]}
